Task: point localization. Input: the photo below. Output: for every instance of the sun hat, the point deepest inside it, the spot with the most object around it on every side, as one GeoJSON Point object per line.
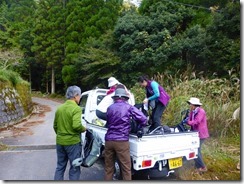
{"type": "Point", "coordinates": [120, 92]}
{"type": "Point", "coordinates": [112, 81]}
{"type": "Point", "coordinates": [194, 101]}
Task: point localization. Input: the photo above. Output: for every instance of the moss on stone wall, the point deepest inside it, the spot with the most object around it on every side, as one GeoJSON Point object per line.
{"type": "Point", "coordinates": [24, 92]}
{"type": "Point", "coordinates": [15, 101]}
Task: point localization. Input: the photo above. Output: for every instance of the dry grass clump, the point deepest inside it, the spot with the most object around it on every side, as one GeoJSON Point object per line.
{"type": "Point", "coordinates": [220, 98]}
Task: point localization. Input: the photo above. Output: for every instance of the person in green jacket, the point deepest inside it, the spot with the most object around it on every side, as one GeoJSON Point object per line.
{"type": "Point", "coordinates": [68, 128]}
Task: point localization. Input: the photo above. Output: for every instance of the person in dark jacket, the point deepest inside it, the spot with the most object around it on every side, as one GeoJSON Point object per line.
{"type": "Point", "coordinates": [155, 93]}
{"type": "Point", "coordinates": [119, 115]}
{"type": "Point", "coordinates": [68, 128]}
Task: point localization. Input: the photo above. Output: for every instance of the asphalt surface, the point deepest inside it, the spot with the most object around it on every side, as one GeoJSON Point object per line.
{"type": "Point", "coordinates": [31, 155]}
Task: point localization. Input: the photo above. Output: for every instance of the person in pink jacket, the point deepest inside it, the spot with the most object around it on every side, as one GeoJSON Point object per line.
{"type": "Point", "coordinates": [198, 122]}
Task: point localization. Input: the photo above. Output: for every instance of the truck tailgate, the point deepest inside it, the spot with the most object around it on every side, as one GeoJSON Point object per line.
{"type": "Point", "coordinates": [163, 144]}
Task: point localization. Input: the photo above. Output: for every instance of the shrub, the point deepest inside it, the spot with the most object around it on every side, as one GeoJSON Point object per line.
{"type": "Point", "coordinates": [10, 77]}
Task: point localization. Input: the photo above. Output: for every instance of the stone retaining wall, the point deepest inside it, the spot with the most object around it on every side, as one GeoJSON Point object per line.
{"type": "Point", "coordinates": [15, 103]}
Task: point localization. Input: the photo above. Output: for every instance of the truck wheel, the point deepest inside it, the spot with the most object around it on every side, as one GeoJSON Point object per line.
{"type": "Point", "coordinates": [117, 171]}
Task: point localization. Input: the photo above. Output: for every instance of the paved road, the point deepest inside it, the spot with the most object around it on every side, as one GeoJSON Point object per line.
{"type": "Point", "coordinates": [32, 155]}
{"type": "Point", "coordinates": [40, 131]}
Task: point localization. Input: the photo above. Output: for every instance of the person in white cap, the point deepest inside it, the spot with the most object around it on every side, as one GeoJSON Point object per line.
{"type": "Point", "coordinates": [112, 83]}
{"type": "Point", "coordinates": [198, 122]}
{"type": "Point", "coordinates": [101, 109]}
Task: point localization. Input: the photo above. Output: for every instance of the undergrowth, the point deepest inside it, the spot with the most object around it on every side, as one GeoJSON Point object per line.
{"type": "Point", "coordinates": [222, 158]}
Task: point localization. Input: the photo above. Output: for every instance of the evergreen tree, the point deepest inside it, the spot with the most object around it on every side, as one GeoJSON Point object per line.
{"type": "Point", "coordinates": [87, 20]}
{"type": "Point", "coordinates": [49, 39]}
{"type": "Point", "coordinates": [6, 40]}
{"type": "Point", "coordinates": [145, 41]}
{"type": "Point", "coordinates": [15, 32]}
{"type": "Point", "coordinates": [223, 52]}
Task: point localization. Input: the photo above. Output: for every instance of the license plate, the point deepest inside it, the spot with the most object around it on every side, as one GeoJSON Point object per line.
{"type": "Point", "coordinates": [175, 163]}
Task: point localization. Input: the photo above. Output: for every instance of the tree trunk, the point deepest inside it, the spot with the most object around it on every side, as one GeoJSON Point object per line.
{"type": "Point", "coordinates": [47, 92]}
{"type": "Point", "coordinates": [30, 78]}
{"type": "Point", "coordinates": [53, 81]}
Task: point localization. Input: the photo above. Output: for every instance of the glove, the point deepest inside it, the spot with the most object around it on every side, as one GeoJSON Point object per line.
{"type": "Point", "coordinates": [77, 162]}
{"type": "Point", "coordinates": [184, 121]}
{"type": "Point", "coordinates": [139, 134]}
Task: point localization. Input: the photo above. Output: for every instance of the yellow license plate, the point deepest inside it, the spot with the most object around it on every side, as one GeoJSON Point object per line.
{"type": "Point", "coordinates": [175, 163]}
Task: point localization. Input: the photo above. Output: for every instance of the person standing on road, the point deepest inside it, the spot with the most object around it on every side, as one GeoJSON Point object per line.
{"type": "Point", "coordinates": [155, 93]}
{"type": "Point", "coordinates": [68, 128]}
{"type": "Point", "coordinates": [198, 122]}
{"type": "Point", "coordinates": [117, 145]}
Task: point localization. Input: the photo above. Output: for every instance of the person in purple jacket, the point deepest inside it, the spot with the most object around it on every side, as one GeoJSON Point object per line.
{"type": "Point", "coordinates": [155, 93]}
{"type": "Point", "coordinates": [198, 122]}
{"type": "Point", "coordinates": [119, 115]}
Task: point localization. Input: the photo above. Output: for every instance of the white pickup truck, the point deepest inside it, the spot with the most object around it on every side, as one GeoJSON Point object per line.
{"type": "Point", "coordinates": [154, 155]}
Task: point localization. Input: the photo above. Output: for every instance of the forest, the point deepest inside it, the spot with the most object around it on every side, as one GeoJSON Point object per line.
{"type": "Point", "coordinates": [57, 43]}
{"type": "Point", "coordinates": [190, 47]}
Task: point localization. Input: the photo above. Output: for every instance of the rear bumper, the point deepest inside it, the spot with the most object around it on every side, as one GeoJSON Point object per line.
{"type": "Point", "coordinates": [154, 172]}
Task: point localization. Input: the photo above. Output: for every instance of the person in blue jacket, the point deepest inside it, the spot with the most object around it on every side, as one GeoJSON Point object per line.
{"type": "Point", "coordinates": [154, 93]}
{"type": "Point", "coordinates": [117, 145]}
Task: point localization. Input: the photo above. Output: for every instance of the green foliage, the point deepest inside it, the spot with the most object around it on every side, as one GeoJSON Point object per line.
{"type": "Point", "coordinates": [6, 40]}
{"type": "Point", "coordinates": [150, 41]}
{"type": "Point", "coordinates": [87, 19]}
{"type": "Point", "coordinates": [11, 58]}
{"type": "Point", "coordinates": [224, 44]}
{"type": "Point", "coordinates": [102, 62]}
{"type": "Point", "coordinates": [69, 74]}
{"type": "Point", "coordinates": [11, 77]}
{"type": "Point", "coordinates": [159, 37]}
{"type": "Point", "coordinates": [167, 36]}
{"type": "Point", "coordinates": [48, 43]}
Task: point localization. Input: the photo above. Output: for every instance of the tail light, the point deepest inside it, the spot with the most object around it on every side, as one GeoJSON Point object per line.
{"type": "Point", "coordinates": [192, 155]}
{"type": "Point", "coordinates": [146, 163]}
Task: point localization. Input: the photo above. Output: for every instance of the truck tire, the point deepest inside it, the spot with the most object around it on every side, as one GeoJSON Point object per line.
{"type": "Point", "coordinates": [117, 171]}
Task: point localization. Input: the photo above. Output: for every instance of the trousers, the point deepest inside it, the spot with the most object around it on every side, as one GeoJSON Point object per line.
{"type": "Point", "coordinates": [199, 160]}
{"type": "Point", "coordinates": [157, 113]}
{"type": "Point", "coordinates": [65, 154]}
{"type": "Point", "coordinates": [117, 150]}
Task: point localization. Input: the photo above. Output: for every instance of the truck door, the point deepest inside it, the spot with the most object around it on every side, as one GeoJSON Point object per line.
{"type": "Point", "coordinates": [82, 104]}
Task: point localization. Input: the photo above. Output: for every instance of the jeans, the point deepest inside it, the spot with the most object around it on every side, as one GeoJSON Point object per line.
{"type": "Point", "coordinates": [199, 161]}
{"type": "Point", "coordinates": [65, 154]}
{"type": "Point", "coordinates": [157, 113]}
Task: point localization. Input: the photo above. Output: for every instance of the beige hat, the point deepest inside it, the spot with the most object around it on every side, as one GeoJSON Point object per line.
{"type": "Point", "coordinates": [112, 81]}
{"type": "Point", "coordinates": [194, 101]}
